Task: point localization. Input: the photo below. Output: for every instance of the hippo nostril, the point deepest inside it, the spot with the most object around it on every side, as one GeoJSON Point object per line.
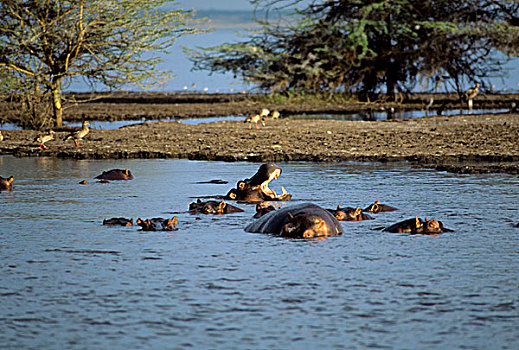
{"type": "Point", "coordinates": [308, 233]}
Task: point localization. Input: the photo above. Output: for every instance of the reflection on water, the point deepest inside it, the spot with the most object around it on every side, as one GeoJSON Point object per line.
{"type": "Point", "coordinates": [68, 282]}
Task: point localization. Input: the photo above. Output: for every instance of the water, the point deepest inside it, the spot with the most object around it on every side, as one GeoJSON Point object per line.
{"type": "Point", "coordinates": [69, 282]}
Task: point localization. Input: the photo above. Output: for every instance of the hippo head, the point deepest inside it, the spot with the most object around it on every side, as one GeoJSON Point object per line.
{"type": "Point", "coordinates": [348, 214]}
{"type": "Point", "coordinates": [306, 226]}
{"type": "Point", "coordinates": [432, 226]}
{"type": "Point", "coordinates": [257, 187]}
{"type": "Point", "coordinates": [6, 184]}
{"type": "Point", "coordinates": [213, 207]}
{"type": "Point", "coordinates": [378, 207]}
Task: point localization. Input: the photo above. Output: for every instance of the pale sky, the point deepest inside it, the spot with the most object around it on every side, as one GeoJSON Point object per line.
{"type": "Point", "coordinates": [216, 4]}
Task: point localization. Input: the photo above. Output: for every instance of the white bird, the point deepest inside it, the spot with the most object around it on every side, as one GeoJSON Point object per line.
{"type": "Point", "coordinates": [275, 115]}
{"type": "Point", "coordinates": [255, 118]}
{"type": "Point", "coordinates": [44, 138]}
{"type": "Point", "coordinates": [471, 94]}
{"type": "Point", "coordinates": [264, 113]}
{"type": "Point", "coordinates": [1, 136]}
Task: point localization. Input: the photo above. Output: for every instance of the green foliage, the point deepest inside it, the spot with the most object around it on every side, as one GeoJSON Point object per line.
{"type": "Point", "coordinates": [368, 46]}
{"type": "Point", "coordinates": [113, 43]}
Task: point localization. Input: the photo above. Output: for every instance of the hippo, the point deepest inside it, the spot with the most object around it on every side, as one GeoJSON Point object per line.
{"type": "Point", "coordinates": [305, 220]}
{"type": "Point", "coordinates": [418, 226]}
{"type": "Point", "coordinates": [349, 214]}
{"type": "Point", "coordinates": [262, 210]}
{"type": "Point", "coordinates": [256, 188]}
{"type": "Point", "coordinates": [6, 184]}
{"type": "Point", "coordinates": [115, 174]}
{"type": "Point", "coordinates": [377, 207]}
{"type": "Point", "coordinates": [118, 222]}
{"type": "Point", "coordinates": [212, 207]}
{"type": "Point", "coordinates": [158, 224]}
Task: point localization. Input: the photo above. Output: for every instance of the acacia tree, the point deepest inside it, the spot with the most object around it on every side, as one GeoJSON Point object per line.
{"type": "Point", "coordinates": [112, 43]}
{"type": "Point", "coordinates": [371, 45]}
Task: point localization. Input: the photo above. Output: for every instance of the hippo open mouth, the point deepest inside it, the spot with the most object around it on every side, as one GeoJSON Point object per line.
{"type": "Point", "coordinates": [257, 189]}
{"type": "Point", "coordinates": [265, 185]}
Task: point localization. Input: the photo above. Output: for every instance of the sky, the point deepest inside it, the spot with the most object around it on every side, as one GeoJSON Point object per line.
{"type": "Point", "coordinates": [216, 4]}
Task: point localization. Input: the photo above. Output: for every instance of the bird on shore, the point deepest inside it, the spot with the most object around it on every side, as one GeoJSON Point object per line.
{"type": "Point", "coordinates": [275, 115]}
{"type": "Point", "coordinates": [255, 118]}
{"type": "Point", "coordinates": [1, 136]}
{"type": "Point", "coordinates": [470, 94]}
{"type": "Point", "coordinates": [78, 135]}
{"type": "Point", "coordinates": [264, 113]}
{"type": "Point", "coordinates": [429, 102]}
{"type": "Point", "coordinates": [45, 138]}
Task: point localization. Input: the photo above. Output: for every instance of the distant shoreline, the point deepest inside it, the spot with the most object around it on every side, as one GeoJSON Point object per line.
{"type": "Point", "coordinates": [457, 143]}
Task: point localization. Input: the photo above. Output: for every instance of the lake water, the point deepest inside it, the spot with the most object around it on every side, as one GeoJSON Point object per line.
{"type": "Point", "coordinates": [68, 282]}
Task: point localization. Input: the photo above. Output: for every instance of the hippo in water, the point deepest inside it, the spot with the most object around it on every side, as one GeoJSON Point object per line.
{"type": "Point", "coordinates": [256, 188]}
{"type": "Point", "coordinates": [349, 214]}
{"type": "Point", "coordinates": [418, 226]}
{"type": "Point", "coordinates": [378, 207]}
{"type": "Point", "coordinates": [6, 184]}
{"type": "Point", "coordinates": [158, 224]}
{"type": "Point", "coordinates": [262, 209]}
{"type": "Point", "coordinates": [299, 221]}
{"type": "Point", "coordinates": [118, 222]}
{"type": "Point", "coordinates": [212, 207]}
{"type": "Point", "coordinates": [115, 174]}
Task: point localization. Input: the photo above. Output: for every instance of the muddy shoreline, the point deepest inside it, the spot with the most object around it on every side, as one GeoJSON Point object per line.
{"type": "Point", "coordinates": [457, 143]}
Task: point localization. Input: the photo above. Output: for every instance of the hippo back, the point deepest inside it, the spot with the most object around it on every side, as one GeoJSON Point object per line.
{"type": "Point", "coordinates": [274, 221]}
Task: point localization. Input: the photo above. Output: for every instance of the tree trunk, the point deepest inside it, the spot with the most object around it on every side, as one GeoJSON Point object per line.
{"type": "Point", "coordinates": [56, 103]}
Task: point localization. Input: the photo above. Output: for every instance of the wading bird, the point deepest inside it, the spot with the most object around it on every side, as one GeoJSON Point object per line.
{"type": "Point", "coordinates": [78, 135]}
{"type": "Point", "coordinates": [44, 138]}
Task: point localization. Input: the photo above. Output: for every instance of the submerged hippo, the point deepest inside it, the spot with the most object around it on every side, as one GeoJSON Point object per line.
{"type": "Point", "coordinates": [115, 174]}
{"type": "Point", "coordinates": [299, 221]}
{"type": "Point", "coordinates": [349, 214]}
{"type": "Point", "coordinates": [378, 207]}
{"type": "Point", "coordinates": [158, 224]}
{"type": "Point", "coordinates": [213, 207]}
{"type": "Point", "coordinates": [256, 188]}
{"type": "Point", "coordinates": [418, 226]}
{"type": "Point", "coordinates": [118, 222]}
{"type": "Point", "coordinates": [6, 184]}
{"type": "Point", "coordinates": [262, 210]}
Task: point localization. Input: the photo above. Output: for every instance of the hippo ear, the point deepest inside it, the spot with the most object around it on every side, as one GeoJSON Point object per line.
{"type": "Point", "coordinates": [339, 207]}
{"type": "Point", "coordinates": [426, 219]}
{"type": "Point", "coordinates": [198, 201]}
{"type": "Point", "coordinates": [222, 205]}
{"type": "Point", "coordinates": [417, 222]}
{"type": "Point", "coordinates": [258, 207]}
{"type": "Point", "coordinates": [126, 171]}
{"type": "Point", "coordinates": [241, 185]}
{"type": "Point", "coordinates": [358, 211]}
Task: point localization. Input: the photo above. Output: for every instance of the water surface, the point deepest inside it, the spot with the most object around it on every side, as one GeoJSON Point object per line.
{"type": "Point", "coordinates": [69, 282]}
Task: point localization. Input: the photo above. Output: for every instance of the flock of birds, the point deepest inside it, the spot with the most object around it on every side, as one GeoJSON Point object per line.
{"type": "Point", "coordinates": [261, 117]}
{"type": "Point", "coordinates": [75, 136]}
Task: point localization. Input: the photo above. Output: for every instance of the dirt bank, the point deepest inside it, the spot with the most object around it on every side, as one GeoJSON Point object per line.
{"type": "Point", "coordinates": [463, 143]}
